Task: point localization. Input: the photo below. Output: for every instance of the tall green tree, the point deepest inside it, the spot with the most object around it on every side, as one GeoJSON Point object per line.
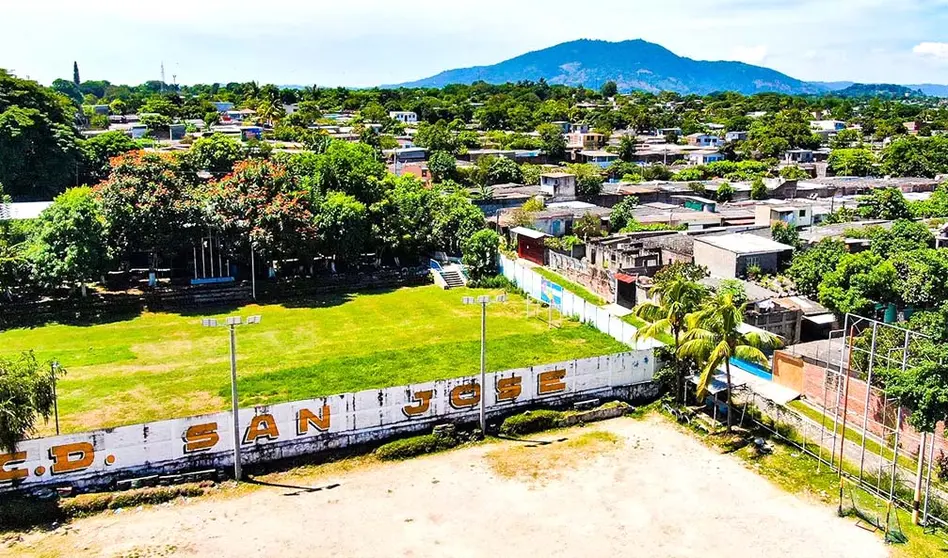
{"type": "Point", "coordinates": [481, 252]}
{"type": "Point", "coordinates": [852, 162]}
{"type": "Point", "coordinates": [627, 148]}
{"type": "Point", "coordinates": [216, 154]}
{"type": "Point", "coordinates": [609, 89]}
{"type": "Point", "coordinates": [623, 213]}
{"type": "Point", "coordinates": [26, 395]}
{"type": "Point", "coordinates": [152, 203]}
{"type": "Point", "coordinates": [39, 144]}
{"type": "Point", "coordinates": [552, 140]}
{"type": "Point", "coordinates": [69, 244]}
{"type": "Point", "coordinates": [884, 203]}
{"type": "Point", "coordinates": [810, 266]}
{"type": "Point", "coordinates": [675, 300]}
{"type": "Point", "coordinates": [343, 226]}
{"type": "Point", "coordinates": [858, 283]}
{"type": "Point", "coordinates": [714, 337]}
{"type": "Point", "coordinates": [99, 150]}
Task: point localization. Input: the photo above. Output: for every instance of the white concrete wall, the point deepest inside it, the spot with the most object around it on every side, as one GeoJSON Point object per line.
{"type": "Point", "coordinates": [276, 432]}
{"type": "Point", "coordinates": [596, 316]}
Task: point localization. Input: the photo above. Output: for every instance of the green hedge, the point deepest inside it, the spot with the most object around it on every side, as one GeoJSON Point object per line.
{"type": "Point", "coordinates": [531, 421]}
{"type": "Point", "coordinates": [21, 512]}
{"type": "Point", "coordinates": [414, 446]}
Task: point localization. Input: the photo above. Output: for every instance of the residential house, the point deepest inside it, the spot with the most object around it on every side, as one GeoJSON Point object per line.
{"type": "Point", "coordinates": [222, 106]}
{"type": "Point", "coordinates": [600, 158]}
{"type": "Point", "coordinates": [697, 203]}
{"type": "Point", "coordinates": [663, 132]}
{"type": "Point", "coordinates": [766, 310]}
{"type": "Point", "coordinates": [625, 257]}
{"type": "Point", "coordinates": [704, 140]}
{"type": "Point", "coordinates": [796, 215]}
{"type": "Point", "coordinates": [827, 125]}
{"type": "Point", "coordinates": [530, 244]}
{"type": "Point", "coordinates": [797, 156]}
{"type": "Point", "coordinates": [404, 116]}
{"type": "Point", "coordinates": [589, 141]}
{"type": "Point", "coordinates": [913, 127]}
{"type": "Point", "coordinates": [418, 170]}
{"type": "Point", "coordinates": [251, 132]}
{"type": "Point", "coordinates": [559, 186]}
{"type": "Point", "coordinates": [730, 255]}
{"type": "Point", "coordinates": [704, 157]}
{"type": "Point", "coordinates": [408, 154]}
{"type": "Point", "coordinates": [735, 136]}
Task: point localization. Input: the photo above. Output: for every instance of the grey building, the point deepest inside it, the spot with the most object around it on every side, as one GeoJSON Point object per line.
{"type": "Point", "coordinates": [729, 255]}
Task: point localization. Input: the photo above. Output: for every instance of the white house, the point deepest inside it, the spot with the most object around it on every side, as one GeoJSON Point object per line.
{"type": "Point", "coordinates": [704, 157]}
{"type": "Point", "coordinates": [704, 140]}
{"type": "Point", "coordinates": [404, 116]}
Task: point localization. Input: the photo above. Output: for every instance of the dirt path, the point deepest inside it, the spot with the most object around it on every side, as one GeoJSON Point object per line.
{"type": "Point", "coordinates": [621, 488]}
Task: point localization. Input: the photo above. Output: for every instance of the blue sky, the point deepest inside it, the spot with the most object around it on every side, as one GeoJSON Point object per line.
{"type": "Point", "coordinates": [363, 42]}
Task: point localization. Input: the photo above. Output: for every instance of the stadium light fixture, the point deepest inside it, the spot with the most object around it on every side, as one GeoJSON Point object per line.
{"type": "Point", "coordinates": [232, 322]}
{"type": "Point", "coordinates": [483, 300]}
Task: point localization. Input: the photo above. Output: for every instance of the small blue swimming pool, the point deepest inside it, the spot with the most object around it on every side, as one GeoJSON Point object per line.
{"type": "Point", "coordinates": [752, 368]}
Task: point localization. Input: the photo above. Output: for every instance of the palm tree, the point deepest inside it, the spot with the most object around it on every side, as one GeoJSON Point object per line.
{"type": "Point", "coordinates": [714, 337]}
{"type": "Point", "coordinates": [676, 300]}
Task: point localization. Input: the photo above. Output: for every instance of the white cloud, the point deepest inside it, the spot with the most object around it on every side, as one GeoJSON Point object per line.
{"type": "Point", "coordinates": [750, 54]}
{"type": "Point", "coordinates": [933, 50]}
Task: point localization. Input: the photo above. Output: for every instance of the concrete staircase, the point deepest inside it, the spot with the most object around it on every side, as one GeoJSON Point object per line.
{"type": "Point", "coordinates": [452, 278]}
{"type": "Point", "coordinates": [449, 276]}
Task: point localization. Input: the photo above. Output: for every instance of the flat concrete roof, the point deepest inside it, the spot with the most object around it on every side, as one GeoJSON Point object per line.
{"type": "Point", "coordinates": [743, 243]}
{"type": "Point", "coordinates": [529, 233]}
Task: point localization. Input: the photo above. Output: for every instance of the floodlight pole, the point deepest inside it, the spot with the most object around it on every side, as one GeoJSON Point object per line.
{"type": "Point", "coordinates": [233, 395]}
{"type": "Point", "coordinates": [54, 367]}
{"type": "Point", "coordinates": [483, 366]}
{"type": "Point", "coordinates": [232, 324]}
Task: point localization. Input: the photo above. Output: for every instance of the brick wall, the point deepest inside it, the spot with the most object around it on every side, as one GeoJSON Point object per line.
{"type": "Point", "coordinates": [810, 379]}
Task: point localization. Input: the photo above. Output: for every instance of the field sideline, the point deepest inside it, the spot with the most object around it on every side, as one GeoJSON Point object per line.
{"type": "Point", "coordinates": [160, 366]}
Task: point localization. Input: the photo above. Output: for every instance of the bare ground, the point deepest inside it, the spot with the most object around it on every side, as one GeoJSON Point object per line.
{"type": "Point", "coordinates": [621, 488]}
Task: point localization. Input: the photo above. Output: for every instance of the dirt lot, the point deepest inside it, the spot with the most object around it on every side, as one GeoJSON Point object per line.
{"type": "Point", "coordinates": [622, 488]}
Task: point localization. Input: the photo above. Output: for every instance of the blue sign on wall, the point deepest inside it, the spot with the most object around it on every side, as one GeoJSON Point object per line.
{"type": "Point", "coordinates": [551, 293]}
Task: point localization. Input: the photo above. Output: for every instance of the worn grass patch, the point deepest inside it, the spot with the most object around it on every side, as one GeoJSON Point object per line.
{"type": "Point", "coordinates": [161, 366]}
{"type": "Point", "coordinates": [545, 462]}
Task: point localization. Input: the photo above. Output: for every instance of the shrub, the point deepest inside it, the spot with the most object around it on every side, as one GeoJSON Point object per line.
{"type": "Point", "coordinates": [531, 421]}
{"type": "Point", "coordinates": [494, 282]}
{"type": "Point", "coordinates": [22, 512]}
{"type": "Point", "coordinates": [90, 503]}
{"type": "Point", "coordinates": [414, 446]}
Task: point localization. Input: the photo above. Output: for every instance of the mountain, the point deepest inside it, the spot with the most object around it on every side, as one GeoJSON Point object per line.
{"type": "Point", "coordinates": [833, 85]}
{"type": "Point", "coordinates": [931, 89]}
{"type": "Point", "coordinates": [633, 64]}
{"type": "Point", "coordinates": [881, 90]}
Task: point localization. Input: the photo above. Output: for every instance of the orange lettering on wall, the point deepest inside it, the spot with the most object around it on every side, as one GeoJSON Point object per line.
{"type": "Point", "coordinates": [7, 470]}
{"type": "Point", "coordinates": [465, 396]}
{"type": "Point", "coordinates": [551, 382]}
{"type": "Point", "coordinates": [68, 458]}
{"type": "Point", "coordinates": [201, 437]}
{"type": "Point", "coordinates": [508, 389]}
{"type": "Point", "coordinates": [306, 418]}
{"type": "Point", "coordinates": [261, 426]}
{"type": "Point", "coordinates": [422, 401]}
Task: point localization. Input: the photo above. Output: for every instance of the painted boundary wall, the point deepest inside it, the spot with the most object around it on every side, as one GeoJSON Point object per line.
{"type": "Point", "coordinates": [268, 433]}
{"type": "Point", "coordinates": [533, 284]}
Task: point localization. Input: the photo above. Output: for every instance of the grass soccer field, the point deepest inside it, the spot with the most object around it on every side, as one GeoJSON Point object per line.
{"type": "Point", "coordinates": [159, 366]}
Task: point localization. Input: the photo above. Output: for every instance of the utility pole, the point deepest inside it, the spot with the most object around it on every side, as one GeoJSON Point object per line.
{"type": "Point", "coordinates": [232, 323]}
{"type": "Point", "coordinates": [53, 369]}
{"type": "Point", "coordinates": [483, 301]}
